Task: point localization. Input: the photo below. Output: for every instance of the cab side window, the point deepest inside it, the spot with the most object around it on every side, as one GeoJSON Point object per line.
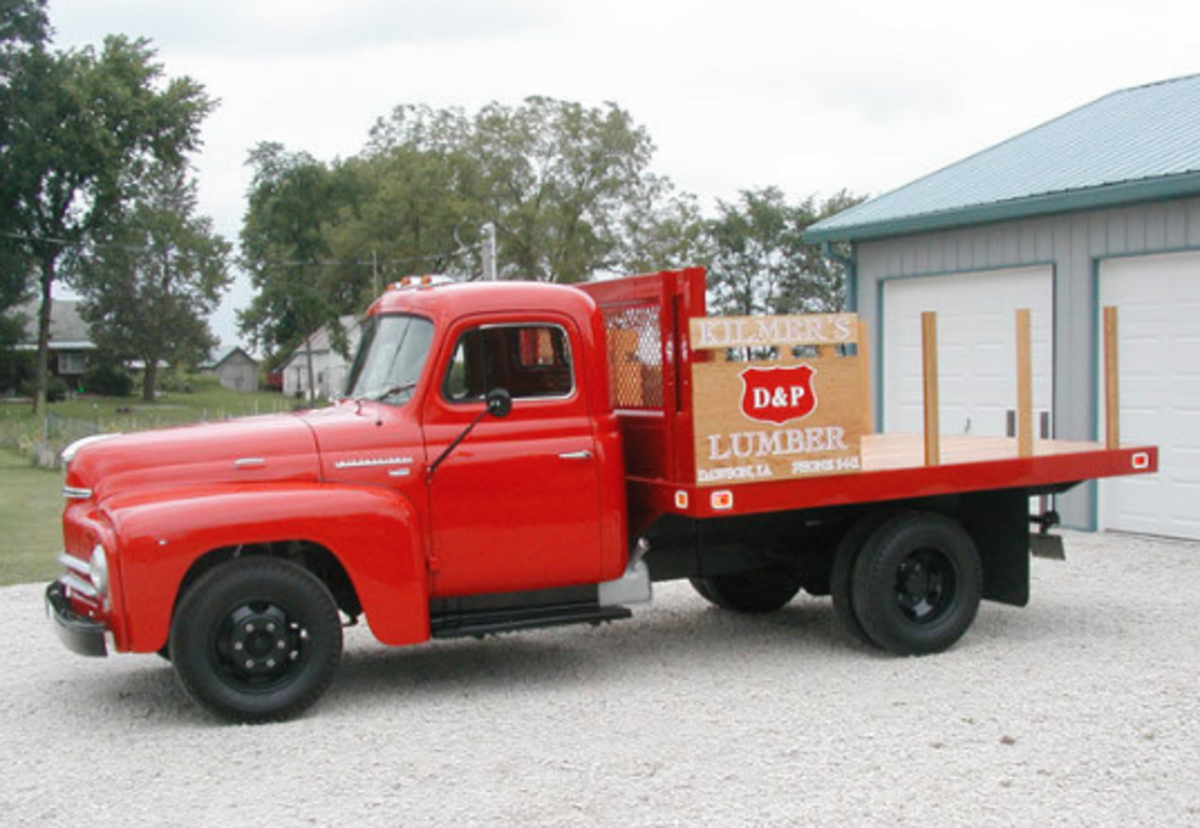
{"type": "Point", "coordinates": [528, 360]}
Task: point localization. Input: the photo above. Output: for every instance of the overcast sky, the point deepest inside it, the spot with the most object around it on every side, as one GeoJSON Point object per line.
{"type": "Point", "coordinates": [809, 96]}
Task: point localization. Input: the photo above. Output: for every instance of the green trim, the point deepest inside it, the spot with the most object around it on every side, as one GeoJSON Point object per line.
{"type": "Point", "coordinates": [1142, 253]}
{"type": "Point", "coordinates": [957, 271]}
{"type": "Point", "coordinates": [1070, 201]}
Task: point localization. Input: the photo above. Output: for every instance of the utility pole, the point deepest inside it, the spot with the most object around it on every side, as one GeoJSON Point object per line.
{"type": "Point", "coordinates": [488, 252]}
{"type": "Point", "coordinates": [374, 273]}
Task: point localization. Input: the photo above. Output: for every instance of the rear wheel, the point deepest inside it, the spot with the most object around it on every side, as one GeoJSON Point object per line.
{"type": "Point", "coordinates": [764, 590]}
{"type": "Point", "coordinates": [842, 573]}
{"type": "Point", "coordinates": [256, 640]}
{"type": "Point", "coordinates": [917, 583]}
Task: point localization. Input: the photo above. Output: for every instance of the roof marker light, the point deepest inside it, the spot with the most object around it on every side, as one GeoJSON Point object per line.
{"type": "Point", "coordinates": [417, 282]}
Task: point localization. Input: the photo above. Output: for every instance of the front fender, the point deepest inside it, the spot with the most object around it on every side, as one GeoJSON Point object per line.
{"type": "Point", "coordinates": [373, 532]}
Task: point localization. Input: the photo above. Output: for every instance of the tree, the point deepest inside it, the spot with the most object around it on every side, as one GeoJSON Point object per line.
{"type": "Point", "coordinates": [82, 124]}
{"type": "Point", "coordinates": [406, 208]}
{"type": "Point", "coordinates": [156, 275]}
{"type": "Point", "coordinates": [566, 186]}
{"type": "Point", "coordinates": [23, 29]}
{"type": "Point", "coordinates": [293, 199]}
{"type": "Point", "coordinates": [664, 229]}
{"type": "Point", "coordinates": [761, 265]}
{"type": "Point", "coordinates": [557, 179]}
{"type": "Point", "coordinates": [554, 179]}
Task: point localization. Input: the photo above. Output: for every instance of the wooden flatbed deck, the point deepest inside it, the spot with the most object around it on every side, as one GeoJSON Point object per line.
{"type": "Point", "coordinates": [885, 452]}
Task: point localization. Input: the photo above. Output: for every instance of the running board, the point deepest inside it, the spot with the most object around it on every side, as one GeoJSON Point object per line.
{"type": "Point", "coordinates": [490, 622]}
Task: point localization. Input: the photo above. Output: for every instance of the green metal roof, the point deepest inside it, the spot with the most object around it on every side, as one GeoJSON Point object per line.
{"type": "Point", "coordinates": [1135, 145]}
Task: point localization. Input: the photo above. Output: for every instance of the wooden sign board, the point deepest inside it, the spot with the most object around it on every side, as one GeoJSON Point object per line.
{"type": "Point", "coordinates": [711, 332]}
{"type": "Point", "coordinates": [776, 419]}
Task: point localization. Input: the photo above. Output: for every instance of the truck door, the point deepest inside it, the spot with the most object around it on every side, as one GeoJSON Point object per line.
{"type": "Point", "coordinates": [516, 506]}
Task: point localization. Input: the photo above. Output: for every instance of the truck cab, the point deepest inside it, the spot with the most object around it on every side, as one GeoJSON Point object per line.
{"type": "Point", "coordinates": [532, 500]}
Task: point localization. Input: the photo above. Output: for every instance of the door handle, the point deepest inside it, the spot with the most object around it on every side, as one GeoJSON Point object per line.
{"type": "Point", "coordinates": [576, 455]}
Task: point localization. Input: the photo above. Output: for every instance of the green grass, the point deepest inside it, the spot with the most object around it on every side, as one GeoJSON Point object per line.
{"type": "Point", "coordinates": [204, 399]}
{"type": "Point", "coordinates": [31, 498]}
{"type": "Point", "coordinates": [30, 521]}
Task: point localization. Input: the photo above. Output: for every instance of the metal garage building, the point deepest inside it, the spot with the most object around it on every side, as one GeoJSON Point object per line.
{"type": "Point", "coordinates": [1099, 206]}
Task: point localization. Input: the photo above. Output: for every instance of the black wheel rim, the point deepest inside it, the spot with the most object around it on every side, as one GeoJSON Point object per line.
{"type": "Point", "coordinates": [260, 647]}
{"type": "Point", "coordinates": [926, 585]}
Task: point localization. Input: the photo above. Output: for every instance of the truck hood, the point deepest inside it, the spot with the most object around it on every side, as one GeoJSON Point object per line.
{"type": "Point", "coordinates": [271, 448]}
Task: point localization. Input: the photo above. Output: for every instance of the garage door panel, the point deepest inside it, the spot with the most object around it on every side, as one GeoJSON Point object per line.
{"type": "Point", "coordinates": [1159, 311]}
{"type": "Point", "coordinates": [976, 347]}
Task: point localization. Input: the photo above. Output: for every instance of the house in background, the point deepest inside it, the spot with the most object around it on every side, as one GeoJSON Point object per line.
{"type": "Point", "coordinates": [330, 368]}
{"type": "Point", "coordinates": [1098, 207]}
{"type": "Point", "coordinates": [71, 346]}
{"type": "Point", "coordinates": [234, 369]}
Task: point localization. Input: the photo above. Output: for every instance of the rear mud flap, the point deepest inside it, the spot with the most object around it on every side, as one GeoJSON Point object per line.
{"type": "Point", "coordinates": [1047, 546]}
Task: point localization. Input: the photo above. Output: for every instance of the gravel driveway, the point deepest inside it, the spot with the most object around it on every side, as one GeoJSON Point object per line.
{"type": "Point", "coordinates": [1082, 709]}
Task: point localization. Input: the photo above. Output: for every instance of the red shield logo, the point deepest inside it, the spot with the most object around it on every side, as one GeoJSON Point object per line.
{"type": "Point", "coordinates": [777, 395]}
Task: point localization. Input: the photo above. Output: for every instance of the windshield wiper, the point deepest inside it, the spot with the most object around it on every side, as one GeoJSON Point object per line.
{"type": "Point", "coordinates": [389, 391]}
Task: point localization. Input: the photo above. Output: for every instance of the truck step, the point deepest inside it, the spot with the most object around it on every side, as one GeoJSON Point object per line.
{"type": "Point", "coordinates": [490, 622]}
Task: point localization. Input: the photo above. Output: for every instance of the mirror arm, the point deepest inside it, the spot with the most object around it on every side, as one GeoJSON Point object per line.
{"type": "Point", "coordinates": [446, 452]}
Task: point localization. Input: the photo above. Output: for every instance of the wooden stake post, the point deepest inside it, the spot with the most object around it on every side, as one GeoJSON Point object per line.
{"type": "Point", "coordinates": [1112, 388]}
{"type": "Point", "coordinates": [933, 434]}
{"type": "Point", "coordinates": [1024, 384]}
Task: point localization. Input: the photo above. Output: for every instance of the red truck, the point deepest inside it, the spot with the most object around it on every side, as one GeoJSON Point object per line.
{"type": "Point", "coordinates": [512, 456]}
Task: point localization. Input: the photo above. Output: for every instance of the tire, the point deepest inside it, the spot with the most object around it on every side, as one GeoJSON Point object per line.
{"type": "Point", "coordinates": [842, 572]}
{"type": "Point", "coordinates": [754, 593]}
{"type": "Point", "coordinates": [256, 640]}
{"type": "Point", "coordinates": [917, 583]}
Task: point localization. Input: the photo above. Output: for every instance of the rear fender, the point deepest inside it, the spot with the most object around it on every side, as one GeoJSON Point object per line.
{"type": "Point", "coordinates": [374, 533]}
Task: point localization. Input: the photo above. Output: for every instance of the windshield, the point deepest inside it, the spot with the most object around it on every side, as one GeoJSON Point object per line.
{"type": "Point", "coordinates": [390, 358]}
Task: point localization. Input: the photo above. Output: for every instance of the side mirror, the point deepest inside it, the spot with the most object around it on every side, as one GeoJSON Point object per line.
{"type": "Point", "coordinates": [499, 402]}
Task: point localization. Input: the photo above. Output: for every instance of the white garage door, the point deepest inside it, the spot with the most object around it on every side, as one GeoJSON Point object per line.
{"type": "Point", "coordinates": [977, 352]}
{"type": "Point", "coordinates": [1158, 298]}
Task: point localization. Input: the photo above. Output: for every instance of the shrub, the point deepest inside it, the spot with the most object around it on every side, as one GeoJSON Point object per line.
{"type": "Point", "coordinates": [108, 381]}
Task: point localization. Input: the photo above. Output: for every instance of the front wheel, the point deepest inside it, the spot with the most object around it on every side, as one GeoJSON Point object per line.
{"type": "Point", "coordinates": [761, 591]}
{"type": "Point", "coordinates": [256, 640]}
{"type": "Point", "coordinates": [917, 583]}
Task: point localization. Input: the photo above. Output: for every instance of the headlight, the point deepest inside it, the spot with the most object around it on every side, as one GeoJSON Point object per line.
{"type": "Point", "coordinates": [99, 570]}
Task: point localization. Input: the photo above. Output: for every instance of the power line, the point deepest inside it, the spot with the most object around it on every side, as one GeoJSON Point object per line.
{"type": "Point", "coordinates": [245, 263]}
{"type": "Point", "coordinates": [433, 257]}
{"type": "Point", "coordinates": [92, 244]}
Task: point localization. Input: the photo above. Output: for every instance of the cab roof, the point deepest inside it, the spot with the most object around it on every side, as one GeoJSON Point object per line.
{"type": "Point", "coordinates": [443, 301]}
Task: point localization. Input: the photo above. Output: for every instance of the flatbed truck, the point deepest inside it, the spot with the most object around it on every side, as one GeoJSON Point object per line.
{"type": "Point", "coordinates": [514, 455]}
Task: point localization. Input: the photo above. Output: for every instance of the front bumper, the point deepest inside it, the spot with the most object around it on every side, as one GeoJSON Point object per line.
{"type": "Point", "coordinates": [78, 634]}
